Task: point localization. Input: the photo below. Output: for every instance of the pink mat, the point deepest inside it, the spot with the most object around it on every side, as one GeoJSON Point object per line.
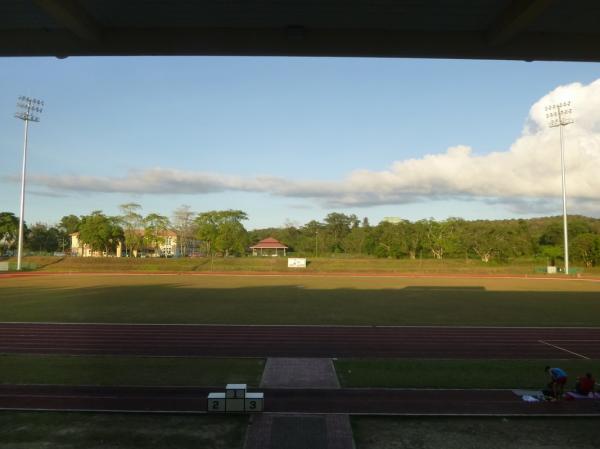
{"type": "Point", "coordinates": [574, 395]}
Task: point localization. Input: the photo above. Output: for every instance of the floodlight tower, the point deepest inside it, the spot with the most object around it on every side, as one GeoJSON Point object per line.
{"type": "Point", "coordinates": [26, 110]}
{"type": "Point", "coordinates": [559, 115]}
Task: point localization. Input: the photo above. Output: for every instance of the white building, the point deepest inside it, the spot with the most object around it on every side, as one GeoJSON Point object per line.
{"type": "Point", "coordinates": [80, 249]}
{"type": "Point", "coordinates": [166, 247]}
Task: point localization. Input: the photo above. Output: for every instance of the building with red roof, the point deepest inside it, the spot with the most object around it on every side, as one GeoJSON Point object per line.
{"type": "Point", "coordinates": [268, 247]}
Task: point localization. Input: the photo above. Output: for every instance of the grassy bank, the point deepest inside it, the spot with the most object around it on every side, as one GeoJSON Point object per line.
{"type": "Point", "coordinates": [66, 430]}
{"type": "Point", "coordinates": [480, 433]}
{"type": "Point", "coordinates": [405, 373]}
{"type": "Point", "coordinates": [147, 371]}
{"type": "Point", "coordinates": [266, 264]}
{"type": "Point", "coordinates": [294, 300]}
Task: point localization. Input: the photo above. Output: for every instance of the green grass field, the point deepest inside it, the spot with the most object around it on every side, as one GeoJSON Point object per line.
{"type": "Point", "coordinates": [67, 430]}
{"type": "Point", "coordinates": [475, 433]}
{"type": "Point", "coordinates": [147, 371]}
{"type": "Point", "coordinates": [299, 300]}
{"type": "Point", "coordinates": [407, 373]}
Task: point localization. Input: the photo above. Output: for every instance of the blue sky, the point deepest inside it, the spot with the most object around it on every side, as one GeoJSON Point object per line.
{"type": "Point", "coordinates": [207, 132]}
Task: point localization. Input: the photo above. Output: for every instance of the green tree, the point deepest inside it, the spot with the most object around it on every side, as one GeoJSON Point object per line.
{"type": "Point", "coordinates": [222, 231]}
{"type": "Point", "coordinates": [586, 248]}
{"type": "Point", "coordinates": [487, 240]}
{"type": "Point", "coordinates": [132, 223]}
{"type": "Point", "coordinates": [69, 224]}
{"type": "Point", "coordinates": [357, 241]}
{"type": "Point", "coordinates": [415, 235]}
{"type": "Point", "coordinates": [100, 232]}
{"type": "Point", "coordinates": [184, 227]}
{"type": "Point", "coordinates": [42, 238]}
{"type": "Point", "coordinates": [440, 236]}
{"type": "Point", "coordinates": [207, 230]}
{"type": "Point", "coordinates": [391, 239]}
{"type": "Point", "coordinates": [232, 238]}
{"type": "Point", "coordinates": [338, 226]}
{"type": "Point", "coordinates": [523, 241]}
{"type": "Point", "coordinates": [9, 230]}
{"type": "Point", "coordinates": [554, 232]}
{"type": "Point", "coordinates": [312, 237]}
{"type": "Point", "coordinates": [155, 226]}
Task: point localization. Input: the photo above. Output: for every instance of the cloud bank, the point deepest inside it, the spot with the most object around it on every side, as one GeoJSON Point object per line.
{"type": "Point", "coordinates": [524, 176]}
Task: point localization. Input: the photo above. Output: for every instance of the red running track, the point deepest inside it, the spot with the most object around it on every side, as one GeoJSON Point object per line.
{"type": "Point", "coordinates": [300, 341]}
{"type": "Point", "coordinates": [353, 401]}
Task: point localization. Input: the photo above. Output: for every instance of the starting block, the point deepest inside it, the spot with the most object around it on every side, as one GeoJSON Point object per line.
{"type": "Point", "coordinates": [235, 398]}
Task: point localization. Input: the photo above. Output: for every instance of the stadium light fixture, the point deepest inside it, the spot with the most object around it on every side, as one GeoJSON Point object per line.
{"type": "Point", "coordinates": [28, 110]}
{"type": "Point", "coordinates": [559, 115]}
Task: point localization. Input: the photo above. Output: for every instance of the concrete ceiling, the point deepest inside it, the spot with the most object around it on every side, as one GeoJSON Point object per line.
{"type": "Point", "coordinates": [470, 29]}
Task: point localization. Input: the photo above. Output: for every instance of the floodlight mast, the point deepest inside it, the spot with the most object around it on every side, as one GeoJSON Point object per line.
{"type": "Point", "coordinates": [559, 115]}
{"type": "Point", "coordinates": [26, 110]}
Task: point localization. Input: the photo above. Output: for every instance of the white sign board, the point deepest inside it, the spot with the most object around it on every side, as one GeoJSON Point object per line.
{"type": "Point", "coordinates": [296, 262]}
{"type": "Point", "coordinates": [3, 266]}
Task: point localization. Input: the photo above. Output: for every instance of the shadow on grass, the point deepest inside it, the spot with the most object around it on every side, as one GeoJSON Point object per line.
{"type": "Point", "coordinates": [288, 304]}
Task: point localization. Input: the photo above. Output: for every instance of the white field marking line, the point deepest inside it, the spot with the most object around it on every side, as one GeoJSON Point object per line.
{"type": "Point", "coordinates": [359, 326]}
{"type": "Point", "coordinates": [563, 349]}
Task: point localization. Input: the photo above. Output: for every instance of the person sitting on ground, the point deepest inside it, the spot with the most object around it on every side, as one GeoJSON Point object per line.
{"type": "Point", "coordinates": [558, 379]}
{"type": "Point", "coordinates": [585, 384]}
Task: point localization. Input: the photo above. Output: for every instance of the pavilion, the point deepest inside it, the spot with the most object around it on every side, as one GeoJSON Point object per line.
{"type": "Point", "coordinates": [268, 247]}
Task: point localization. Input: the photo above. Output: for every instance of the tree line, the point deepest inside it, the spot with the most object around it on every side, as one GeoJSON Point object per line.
{"type": "Point", "coordinates": [221, 232]}
{"type": "Point", "coordinates": [210, 233]}
{"type": "Point", "coordinates": [485, 240]}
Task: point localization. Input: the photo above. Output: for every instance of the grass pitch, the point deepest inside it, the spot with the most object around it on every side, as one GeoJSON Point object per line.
{"type": "Point", "coordinates": [115, 370]}
{"type": "Point", "coordinates": [340, 263]}
{"type": "Point", "coordinates": [336, 264]}
{"type": "Point", "coordinates": [67, 430]}
{"type": "Point", "coordinates": [480, 433]}
{"type": "Point", "coordinates": [407, 373]}
{"type": "Point", "coordinates": [328, 300]}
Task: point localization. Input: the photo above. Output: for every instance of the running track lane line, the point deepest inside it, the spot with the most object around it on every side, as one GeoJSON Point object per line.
{"type": "Point", "coordinates": [563, 349]}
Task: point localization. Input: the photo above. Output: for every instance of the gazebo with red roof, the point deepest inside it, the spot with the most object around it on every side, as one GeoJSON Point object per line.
{"type": "Point", "coordinates": [266, 247]}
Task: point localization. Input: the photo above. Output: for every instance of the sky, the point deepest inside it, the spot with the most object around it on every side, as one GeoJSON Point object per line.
{"type": "Point", "coordinates": [289, 140]}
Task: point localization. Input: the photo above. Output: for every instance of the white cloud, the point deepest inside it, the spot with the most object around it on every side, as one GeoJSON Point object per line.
{"type": "Point", "coordinates": [525, 177]}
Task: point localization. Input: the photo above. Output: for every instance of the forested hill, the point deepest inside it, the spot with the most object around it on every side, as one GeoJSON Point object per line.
{"type": "Point", "coordinates": [452, 238]}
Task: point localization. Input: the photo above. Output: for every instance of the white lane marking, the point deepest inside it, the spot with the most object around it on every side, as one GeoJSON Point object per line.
{"type": "Point", "coordinates": [563, 349]}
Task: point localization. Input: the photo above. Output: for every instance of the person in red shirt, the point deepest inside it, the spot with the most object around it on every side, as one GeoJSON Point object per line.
{"type": "Point", "coordinates": [585, 384]}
